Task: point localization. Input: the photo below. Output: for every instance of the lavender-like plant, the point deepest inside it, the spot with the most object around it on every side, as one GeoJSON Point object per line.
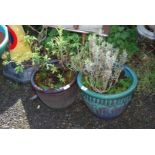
{"type": "Point", "coordinates": [100, 63]}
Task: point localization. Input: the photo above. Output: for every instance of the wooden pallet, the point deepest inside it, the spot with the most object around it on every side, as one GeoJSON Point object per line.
{"type": "Point", "coordinates": [101, 30]}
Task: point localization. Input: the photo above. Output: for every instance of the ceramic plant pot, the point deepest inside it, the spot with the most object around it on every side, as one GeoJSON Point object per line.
{"type": "Point", "coordinates": [56, 98]}
{"type": "Point", "coordinates": [108, 106]}
{"type": "Point", "coordinates": [146, 33]}
{"type": "Point", "coordinates": [4, 38]}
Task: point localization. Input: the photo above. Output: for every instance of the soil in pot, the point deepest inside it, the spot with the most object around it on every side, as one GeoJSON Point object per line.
{"type": "Point", "coordinates": [1, 37]}
{"type": "Point", "coordinates": [123, 84]}
{"type": "Point", "coordinates": [49, 80]}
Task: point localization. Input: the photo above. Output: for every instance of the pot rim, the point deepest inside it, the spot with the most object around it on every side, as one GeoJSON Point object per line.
{"type": "Point", "coordinates": [110, 96]}
{"type": "Point", "coordinates": [6, 36]}
{"type": "Point", "coordinates": [50, 91]}
{"type": "Point", "coordinates": [142, 30]}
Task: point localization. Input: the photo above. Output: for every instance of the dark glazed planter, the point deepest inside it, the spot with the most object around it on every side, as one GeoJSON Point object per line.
{"type": "Point", "coordinates": [112, 105]}
{"type": "Point", "coordinates": [56, 98]}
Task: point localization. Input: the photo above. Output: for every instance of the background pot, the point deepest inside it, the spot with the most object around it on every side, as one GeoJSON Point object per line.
{"type": "Point", "coordinates": [144, 32]}
{"type": "Point", "coordinates": [61, 98]}
{"type": "Point", "coordinates": [5, 38]}
{"type": "Point", "coordinates": [108, 106]}
{"type": "Point", "coordinates": [24, 77]}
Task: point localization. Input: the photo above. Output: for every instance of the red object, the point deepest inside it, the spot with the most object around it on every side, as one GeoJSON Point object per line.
{"type": "Point", "coordinates": [12, 38]}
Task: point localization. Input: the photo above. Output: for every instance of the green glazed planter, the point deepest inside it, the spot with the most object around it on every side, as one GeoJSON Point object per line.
{"type": "Point", "coordinates": [3, 44]}
{"type": "Point", "coordinates": [108, 106]}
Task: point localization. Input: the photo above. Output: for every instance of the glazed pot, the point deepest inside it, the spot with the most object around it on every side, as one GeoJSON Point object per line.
{"type": "Point", "coordinates": [56, 98]}
{"type": "Point", "coordinates": [108, 106]}
{"type": "Point", "coordinates": [4, 38]}
{"type": "Point", "coordinates": [144, 32]}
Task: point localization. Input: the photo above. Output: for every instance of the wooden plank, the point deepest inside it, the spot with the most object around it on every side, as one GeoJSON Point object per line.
{"type": "Point", "coordinates": [98, 29]}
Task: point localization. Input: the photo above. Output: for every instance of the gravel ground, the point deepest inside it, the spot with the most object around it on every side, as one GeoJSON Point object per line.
{"type": "Point", "coordinates": [18, 111]}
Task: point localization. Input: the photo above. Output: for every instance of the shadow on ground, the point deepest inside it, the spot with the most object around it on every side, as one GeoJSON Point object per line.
{"type": "Point", "coordinates": [137, 115]}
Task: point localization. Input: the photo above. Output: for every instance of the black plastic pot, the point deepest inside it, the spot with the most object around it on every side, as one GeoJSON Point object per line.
{"type": "Point", "coordinates": [24, 77]}
{"type": "Point", "coordinates": [56, 98]}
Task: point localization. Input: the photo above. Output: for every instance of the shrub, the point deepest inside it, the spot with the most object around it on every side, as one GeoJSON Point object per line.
{"type": "Point", "coordinates": [124, 37]}
{"type": "Point", "coordinates": [100, 63]}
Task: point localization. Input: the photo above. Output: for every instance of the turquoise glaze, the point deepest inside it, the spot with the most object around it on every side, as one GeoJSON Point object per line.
{"type": "Point", "coordinates": [4, 43]}
{"type": "Point", "coordinates": [108, 106]}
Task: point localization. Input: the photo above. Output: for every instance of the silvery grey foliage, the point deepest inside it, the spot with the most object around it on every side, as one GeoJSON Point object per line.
{"type": "Point", "coordinates": [100, 62]}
